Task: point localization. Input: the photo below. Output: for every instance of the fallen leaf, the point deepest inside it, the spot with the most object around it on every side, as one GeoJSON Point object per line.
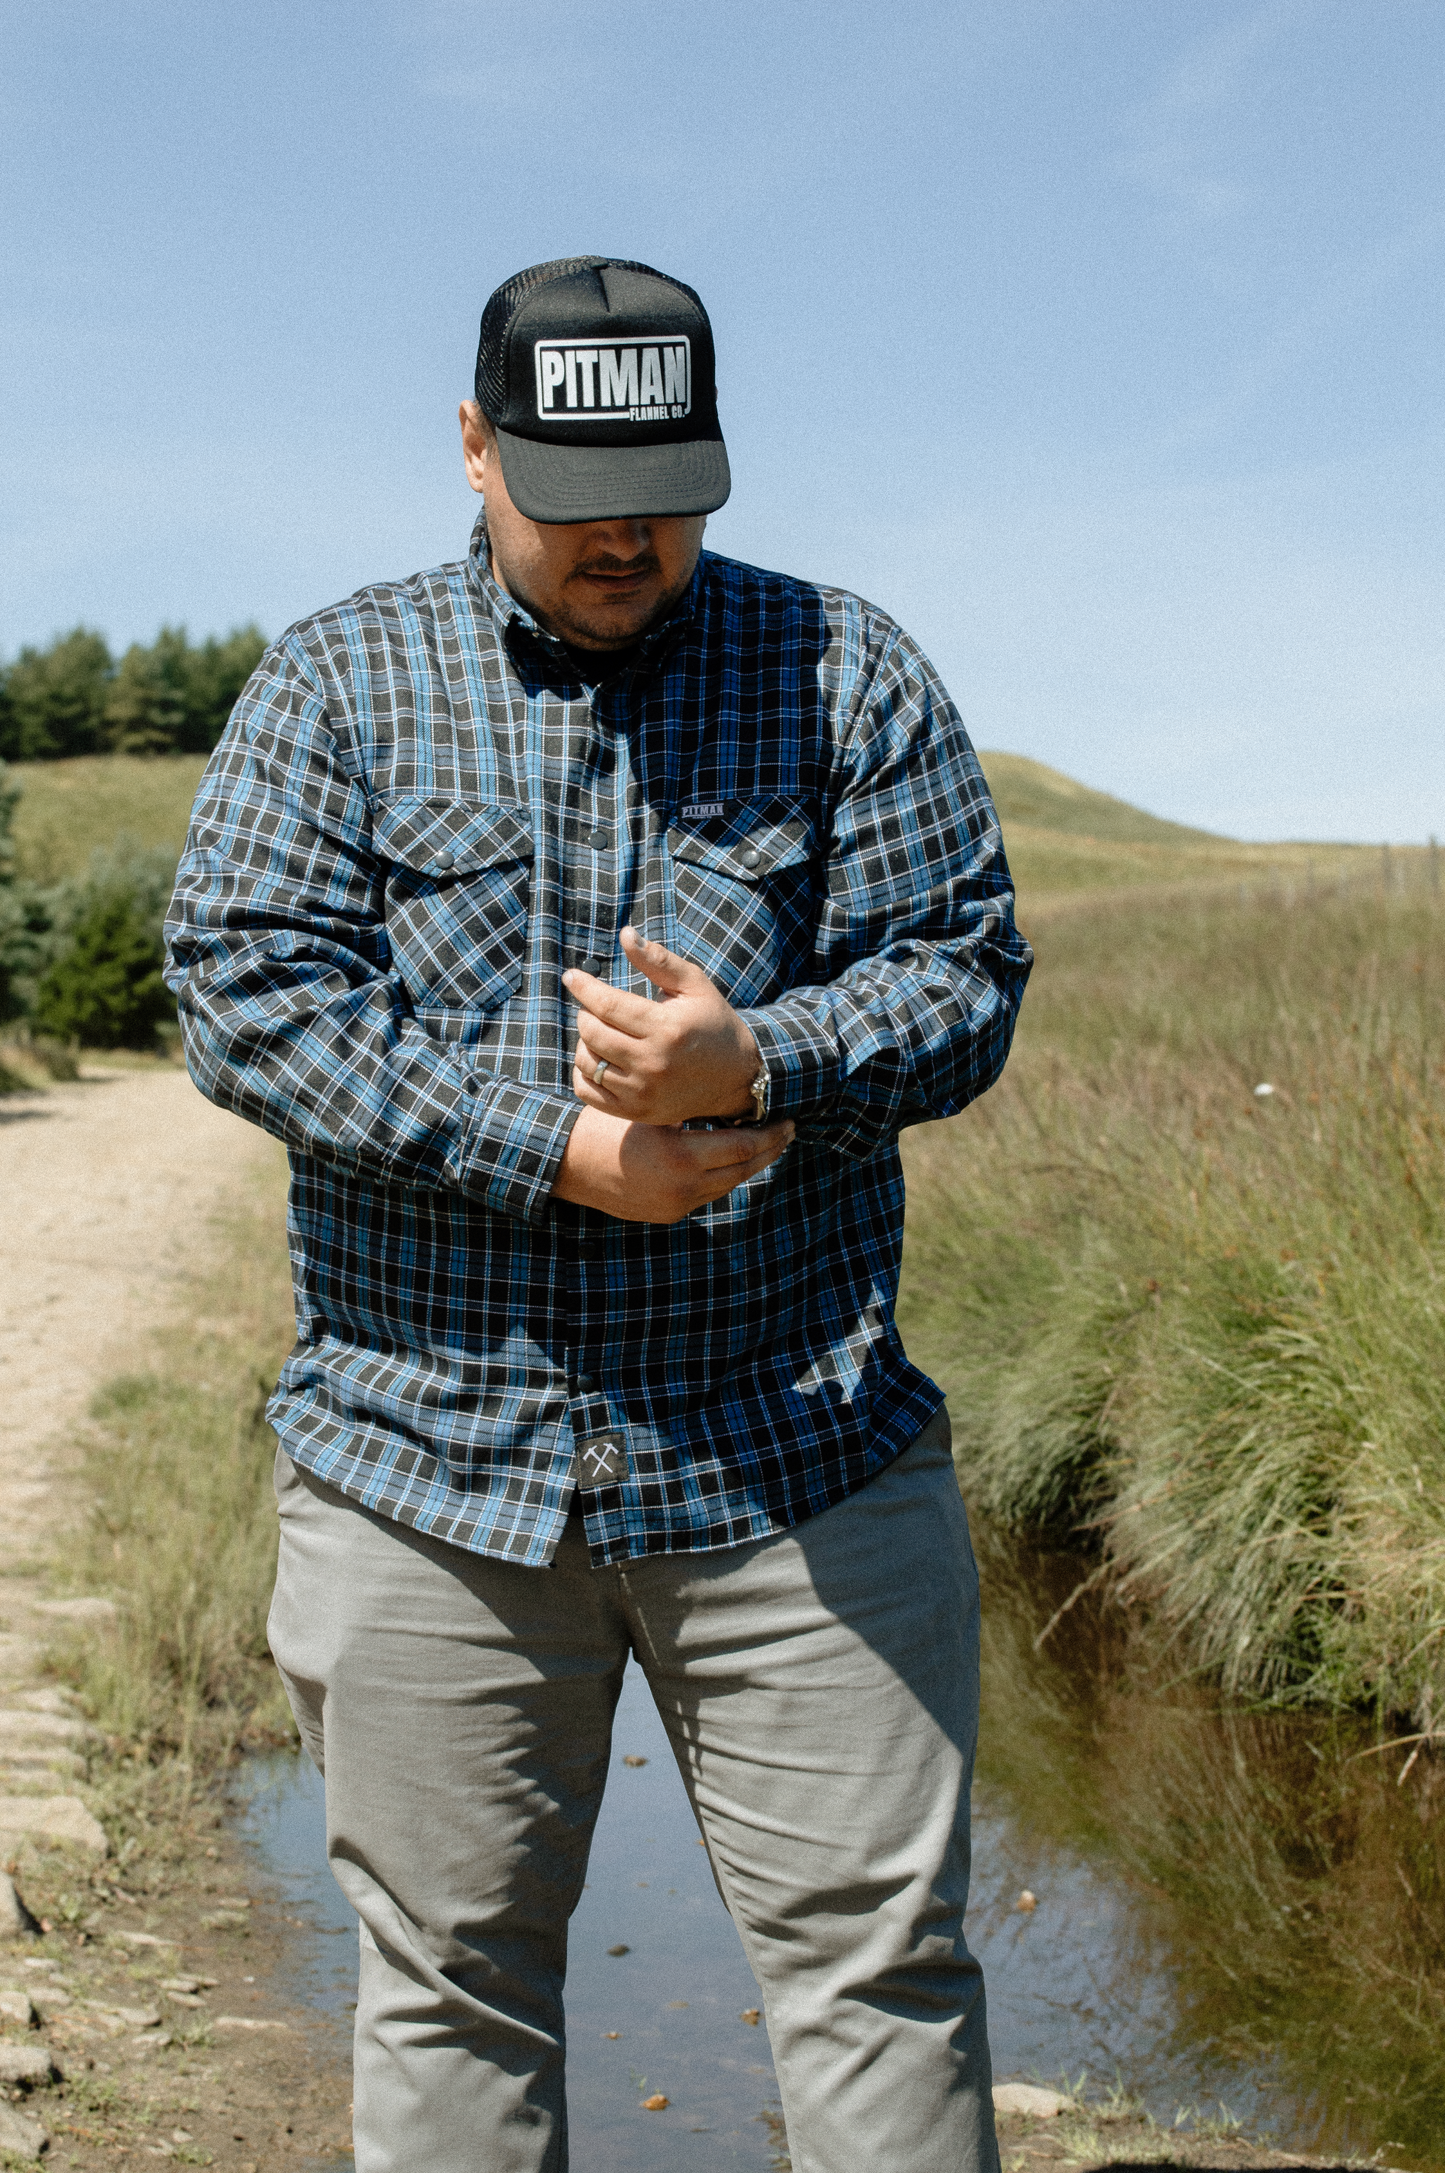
{"type": "Point", "coordinates": [700, 1842]}
{"type": "Point", "coordinates": [1027, 1902]}
{"type": "Point", "coordinates": [612, 2033]}
{"type": "Point", "coordinates": [754, 2015]}
{"type": "Point", "coordinates": [657, 2103]}
{"type": "Point", "coordinates": [632, 1759]}
{"type": "Point", "coordinates": [619, 1950]}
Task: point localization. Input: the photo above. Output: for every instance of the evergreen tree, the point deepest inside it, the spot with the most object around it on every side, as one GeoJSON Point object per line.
{"type": "Point", "coordinates": [105, 989]}
{"type": "Point", "coordinates": [146, 707]}
{"type": "Point", "coordinates": [9, 795]}
{"type": "Point", "coordinates": [72, 699]}
{"type": "Point", "coordinates": [55, 699]}
{"type": "Point", "coordinates": [215, 674]}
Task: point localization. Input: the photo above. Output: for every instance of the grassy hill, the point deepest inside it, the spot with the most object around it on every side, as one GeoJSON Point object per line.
{"type": "Point", "coordinates": [1030, 795]}
{"type": "Point", "coordinates": [70, 809]}
{"type": "Point", "coordinates": [1065, 839]}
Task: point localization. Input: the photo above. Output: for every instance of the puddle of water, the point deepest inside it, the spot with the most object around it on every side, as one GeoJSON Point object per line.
{"type": "Point", "coordinates": [676, 1998]}
{"type": "Point", "coordinates": [1230, 1907]}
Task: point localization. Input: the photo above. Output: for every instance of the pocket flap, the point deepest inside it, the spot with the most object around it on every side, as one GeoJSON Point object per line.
{"type": "Point", "coordinates": [451, 837]}
{"type": "Point", "coordinates": [750, 840]}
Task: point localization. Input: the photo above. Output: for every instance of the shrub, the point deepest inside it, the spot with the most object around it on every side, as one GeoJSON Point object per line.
{"type": "Point", "coordinates": [105, 988]}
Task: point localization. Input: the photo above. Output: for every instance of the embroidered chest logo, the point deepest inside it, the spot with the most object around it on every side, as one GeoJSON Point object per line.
{"type": "Point", "coordinates": [649, 382]}
{"type": "Point", "coordinates": [701, 810]}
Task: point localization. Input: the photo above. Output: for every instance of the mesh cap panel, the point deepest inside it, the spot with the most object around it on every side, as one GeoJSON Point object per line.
{"type": "Point", "coordinates": [502, 306]}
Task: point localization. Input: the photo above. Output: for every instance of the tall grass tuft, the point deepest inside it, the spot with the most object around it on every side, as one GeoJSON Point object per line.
{"type": "Point", "coordinates": [1205, 1325]}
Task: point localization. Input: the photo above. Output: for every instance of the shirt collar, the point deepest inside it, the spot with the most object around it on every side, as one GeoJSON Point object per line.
{"type": "Point", "coordinates": [512, 617]}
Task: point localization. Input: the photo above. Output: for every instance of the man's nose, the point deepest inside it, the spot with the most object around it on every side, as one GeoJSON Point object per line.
{"type": "Point", "coordinates": [624, 539]}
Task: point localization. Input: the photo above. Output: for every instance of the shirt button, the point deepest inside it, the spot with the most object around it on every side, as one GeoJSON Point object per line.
{"type": "Point", "coordinates": [752, 858]}
{"type": "Point", "coordinates": [586, 1381]}
{"type": "Point", "coordinates": [592, 965]}
{"type": "Point", "coordinates": [597, 839]}
{"type": "Point", "coordinates": [442, 862]}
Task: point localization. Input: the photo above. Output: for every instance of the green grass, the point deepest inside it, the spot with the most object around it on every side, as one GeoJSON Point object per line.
{"type": "Point", "coordinates": [1204, 1329]}
{"type": "Point", "coordinates": [69, 810]}
{"type": "Point", "coordinates": [182, 1533]}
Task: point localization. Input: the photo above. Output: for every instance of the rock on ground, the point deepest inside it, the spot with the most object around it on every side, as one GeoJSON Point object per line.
{"type": "Point", "coordinates": [21, 2137]}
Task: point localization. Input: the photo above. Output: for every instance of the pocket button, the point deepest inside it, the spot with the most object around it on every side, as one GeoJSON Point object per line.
{"type": "Point", "coordinates": [597, 839]}
{"type": "Point", "coordinates": [442, 862]}
{"type": "Point", "coordinates": [752, 858]}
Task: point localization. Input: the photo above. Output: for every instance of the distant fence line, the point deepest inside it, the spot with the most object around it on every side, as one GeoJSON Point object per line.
{"type": "Point", "coordinates": [1395, 870]}
{"type": "Point", "coordinates": [1389, 871]}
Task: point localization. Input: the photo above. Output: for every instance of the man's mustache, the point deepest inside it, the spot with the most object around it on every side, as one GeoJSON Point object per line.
{"type": "Point", "coordinates": [647, 562]}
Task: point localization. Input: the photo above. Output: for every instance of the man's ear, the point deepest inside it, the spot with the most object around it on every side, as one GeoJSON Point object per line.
{"type": "Point", "coordinates": [479, 444]}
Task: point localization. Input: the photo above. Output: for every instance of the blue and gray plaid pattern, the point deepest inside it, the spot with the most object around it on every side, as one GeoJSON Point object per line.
{"type": "Point", "coordinates": [420, 815]}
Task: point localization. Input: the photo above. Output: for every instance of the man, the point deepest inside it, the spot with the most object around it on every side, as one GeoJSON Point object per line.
{"type": "Point", "coordinates": [588, 918]}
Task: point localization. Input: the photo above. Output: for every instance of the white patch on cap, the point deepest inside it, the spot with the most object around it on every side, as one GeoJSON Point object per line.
{"type": "Point", "coordinates": [581, 381]}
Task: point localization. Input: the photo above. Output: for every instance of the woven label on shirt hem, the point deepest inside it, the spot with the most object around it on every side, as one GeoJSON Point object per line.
{"type": "Point", "coordinates": [602, 1458]}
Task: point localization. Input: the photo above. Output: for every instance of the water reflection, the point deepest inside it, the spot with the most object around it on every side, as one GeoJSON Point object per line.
{"type": "Point", "coordinates": [1229, 1906]}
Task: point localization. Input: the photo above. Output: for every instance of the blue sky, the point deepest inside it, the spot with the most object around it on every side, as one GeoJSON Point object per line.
{"type": "Point", "coordinates": [1100, 343]}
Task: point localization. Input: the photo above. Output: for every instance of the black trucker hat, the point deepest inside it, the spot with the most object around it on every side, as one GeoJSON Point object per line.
{"type": "Point", "coordinates": [598, 377]}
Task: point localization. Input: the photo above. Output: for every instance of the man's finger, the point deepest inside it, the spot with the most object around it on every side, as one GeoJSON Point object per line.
{"type": "Point", "coordinates": [731, 1149]}
{"type": "Point", "coordinates": [628, 1013]}
{"type": "Point", "coordinates": [677, 976]}
{"type": "Point", "coordinates": [596, 1041]}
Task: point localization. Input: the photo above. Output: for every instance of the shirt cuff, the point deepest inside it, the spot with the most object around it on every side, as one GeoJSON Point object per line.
{"type": "Point", "coordinates": [512, 1149]}
{"type": "Point", "coordinates": [800, 1058]}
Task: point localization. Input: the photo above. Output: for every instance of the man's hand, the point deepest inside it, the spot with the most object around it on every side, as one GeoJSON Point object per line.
{"type": "Point", "coordinates": [689, 1055]}
{"type": "Point", "coordinates": [651, 1173]}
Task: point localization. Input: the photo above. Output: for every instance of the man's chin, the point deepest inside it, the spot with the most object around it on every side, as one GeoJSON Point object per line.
{"type": "Point", "coordinates": [612, 629]}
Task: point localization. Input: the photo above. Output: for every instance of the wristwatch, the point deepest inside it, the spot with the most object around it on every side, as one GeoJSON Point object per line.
{"type": "Point", "coordinates": [759, 1093]}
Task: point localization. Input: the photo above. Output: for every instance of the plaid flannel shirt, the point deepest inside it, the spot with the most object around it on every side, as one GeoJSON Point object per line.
{"type": "Point", "coordinates": [419, 816]}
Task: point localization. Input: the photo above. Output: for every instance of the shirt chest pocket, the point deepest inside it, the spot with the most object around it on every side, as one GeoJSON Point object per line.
{"type": "Point", "coordinates": [458, 893]}
{"type": "Point", "coordinates": [743, 883]}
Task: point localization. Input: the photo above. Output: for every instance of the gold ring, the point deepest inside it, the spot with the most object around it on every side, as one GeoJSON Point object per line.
{"type": "Point", "coordinates": [597, 1075]}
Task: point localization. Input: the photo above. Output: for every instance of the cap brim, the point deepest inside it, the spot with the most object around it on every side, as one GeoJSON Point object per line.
{"type": "Point", "coordinates": [550, 482]}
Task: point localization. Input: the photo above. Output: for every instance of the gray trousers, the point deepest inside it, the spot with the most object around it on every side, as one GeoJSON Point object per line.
{"type": "Point", "coordinates": [820, 1690]}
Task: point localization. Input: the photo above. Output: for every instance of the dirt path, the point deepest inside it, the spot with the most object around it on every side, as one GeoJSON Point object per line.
{"type": "Point", "coordinates": [107, 1189]}
{"type": "Point", "coordinates": [110, 2039]}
